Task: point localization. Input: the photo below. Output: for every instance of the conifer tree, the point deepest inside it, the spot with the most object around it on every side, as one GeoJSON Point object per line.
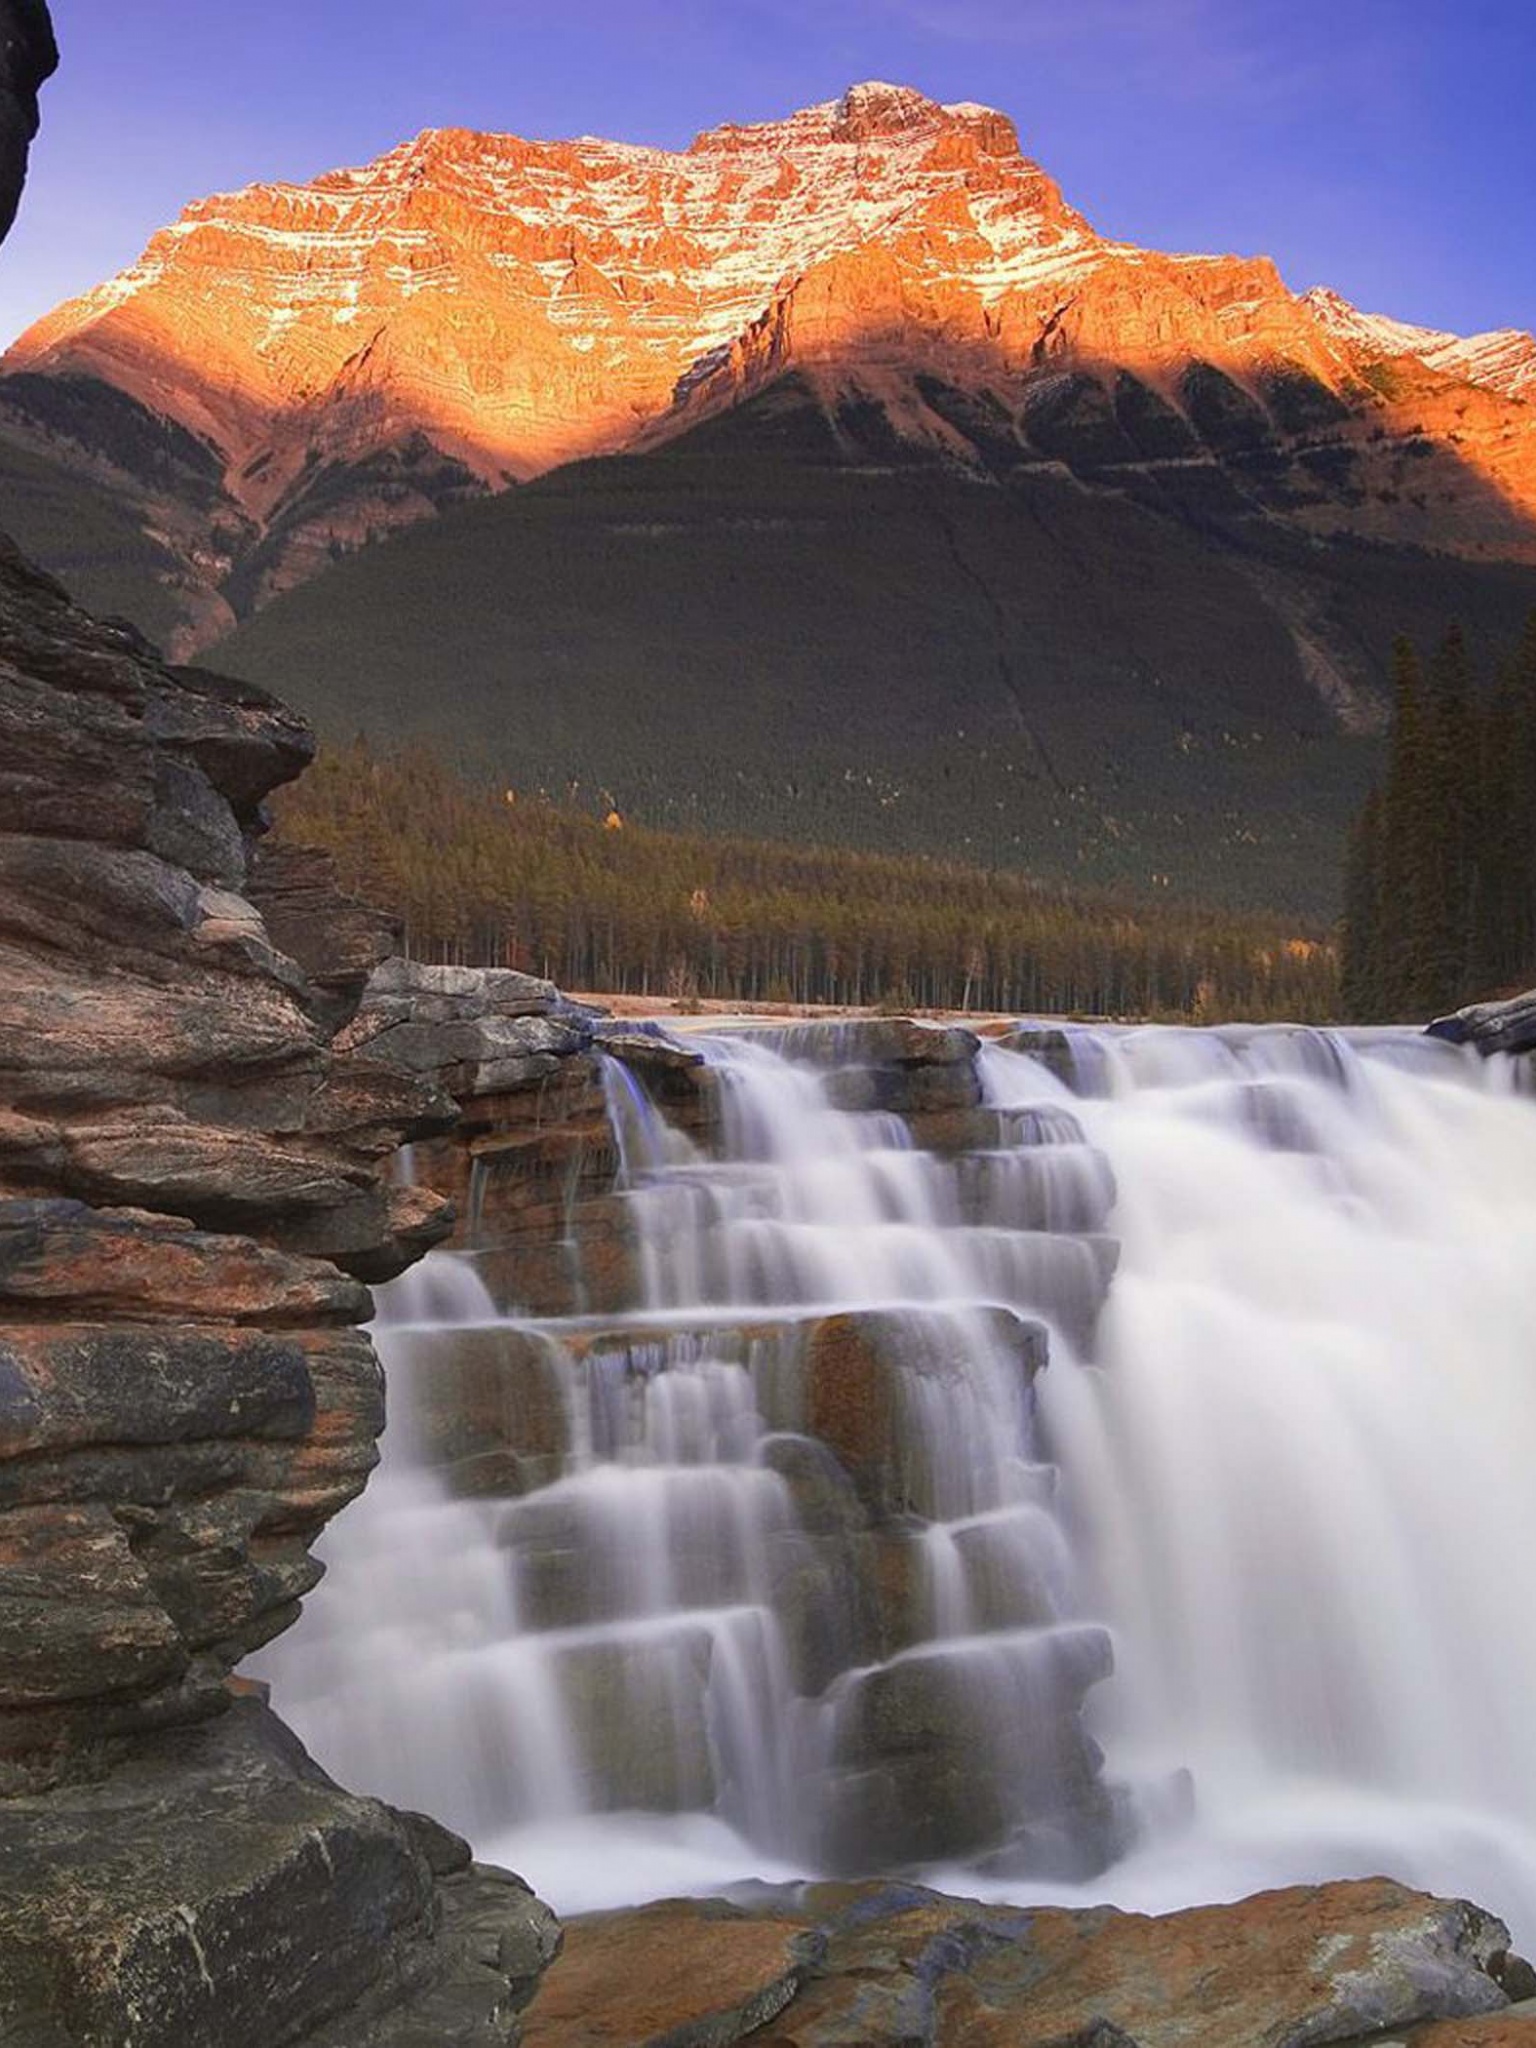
{"type": "Point", "coordinates": [1447, 827]}
{"type": "Point", "coordinates": [1362, 987]}
{"type": "Point", "coordinates": [1441, 868]}
{"type": "Point", "coordinates": [1401, 863]}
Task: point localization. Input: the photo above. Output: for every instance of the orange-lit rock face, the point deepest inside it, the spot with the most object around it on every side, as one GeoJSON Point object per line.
{"type": "Point", "coordinates": [518, 304]}
{"type": "Point", "coordinates": [527, 302]}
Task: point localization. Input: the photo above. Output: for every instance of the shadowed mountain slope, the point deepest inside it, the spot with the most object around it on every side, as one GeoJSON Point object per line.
{"type": "Point", "coordinates": [790, 622]}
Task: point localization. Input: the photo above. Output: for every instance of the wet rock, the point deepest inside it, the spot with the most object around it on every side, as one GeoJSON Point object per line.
{"type": "Point", "coordinates": [683, 1974]}
{"type": "Point", "coordinates": [949, 1749]}
{"type": "Point", "coordinates": [858, 1373]}
{"type": "Point", "coordinates": [898, 1966]}
{"type": "Point", "coordinates": [1492, 1027]}
{"type": "Point", "coordinates": [594, 1269]}
{"type": "Point", "coordinates": [635, 1710]}
{"type": "Point", "coordinates": [1045, 1187]}
{"type": "Point", "coordinates": [871, 1042]}
{"type": "Point", "coordinates": [988, 1130]}
{"type": "Point", "coordinates": [490, 1410]}
{"type": "Point", "coordinates": [912, 1088]}
{"type": "Point", "coordinates": [1013, 1569]}
{"type": "Point", "coordinates": [1074, 1057]}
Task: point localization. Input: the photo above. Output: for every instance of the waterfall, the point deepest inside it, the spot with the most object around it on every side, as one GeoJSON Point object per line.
{"type": "Point", "coordinates": [1299, 1460]}
{"type": "Point", "coordinates": [1125, 1500]}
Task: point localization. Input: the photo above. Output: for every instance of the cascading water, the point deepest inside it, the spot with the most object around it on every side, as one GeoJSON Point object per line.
{"type": "Point", "coordinates": [1300, 1463]}
{"type": "Point", "coordinates": [806, 1558]}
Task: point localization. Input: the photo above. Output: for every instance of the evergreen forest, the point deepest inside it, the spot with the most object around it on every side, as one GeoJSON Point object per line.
{"type": "Point", "coordinates": [1440, 884]}
{"type": "Point", "coordinates": [481, 875]}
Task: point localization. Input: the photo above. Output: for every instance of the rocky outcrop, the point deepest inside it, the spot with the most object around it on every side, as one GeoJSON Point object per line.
{"type": "Point", "coordinates": [895, 1966]}
{"type": "Point", "coordinates": [275, 382]}
{"type": "Point", "coordinates": [1492, 1027]}
{"type": "Point", "coordinates": [28, 57]}
{"type": "Point", "coordinates": [217, 1889]}
{"type": "Point", "coordinates": [191, 1193]}
{"type": "Point", "coordinates": [195, 1187]}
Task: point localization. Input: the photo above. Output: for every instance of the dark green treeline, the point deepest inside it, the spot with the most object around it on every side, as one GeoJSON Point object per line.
{"type": "Point", "coordinates": [485, 878]}
{"type": "Point", "coordinates": [1440, 883]}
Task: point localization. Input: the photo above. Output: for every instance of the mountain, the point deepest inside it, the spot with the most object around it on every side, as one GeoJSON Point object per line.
{"type": "Point", "coordinates": [288, 371]}
{"type": "Point", "coordinates": [771, 473]}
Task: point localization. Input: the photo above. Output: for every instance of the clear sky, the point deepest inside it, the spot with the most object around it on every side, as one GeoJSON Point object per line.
{"type": "Point", "coordinates": [1386, 147]}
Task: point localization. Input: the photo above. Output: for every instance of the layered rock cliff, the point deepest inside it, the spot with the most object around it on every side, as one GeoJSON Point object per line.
{"type": "Point", "coordinates": [193, 1192]}
{"type": "Point", "coordinates": [289, 370]}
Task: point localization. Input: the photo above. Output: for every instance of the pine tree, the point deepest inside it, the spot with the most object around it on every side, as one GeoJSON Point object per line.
{"type": "Point", "coordinates": [1447, 829]}
{"type": "Point", "coordinates": [1401, 860]}
{"type": "Point", "coordinates": [1362, 990]}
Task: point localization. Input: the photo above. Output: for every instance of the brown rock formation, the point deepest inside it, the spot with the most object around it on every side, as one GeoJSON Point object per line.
{"type": "Point", "coordinates": [290, 370]}
{"type": "Point", "coordinates": [193, 1190]}
{"type": "Point", "coordinates": [896, 1966]}
{"type": "Point", "coordinates": [188, 1176]}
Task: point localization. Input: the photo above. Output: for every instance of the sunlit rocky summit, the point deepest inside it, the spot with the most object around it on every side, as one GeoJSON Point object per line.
{"type": "Point", "coordinates": [289, 370]}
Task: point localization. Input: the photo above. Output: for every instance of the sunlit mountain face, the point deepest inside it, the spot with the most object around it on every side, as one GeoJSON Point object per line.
{"type": "Point", "coordinates": [290, 371]}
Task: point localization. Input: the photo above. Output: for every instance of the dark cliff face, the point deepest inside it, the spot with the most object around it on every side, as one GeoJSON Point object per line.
{"type": "Point", "coordinates": [28, 56]}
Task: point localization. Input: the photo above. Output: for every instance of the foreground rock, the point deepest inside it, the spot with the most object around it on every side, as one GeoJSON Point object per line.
{"type": "Point", "coordinates": [195, 1190]}
{"type": "Point", "coordinates": [1492, 1027]}
{"type": "Point", "coordinates": [896, 1966]}
{"type": "Point", "coordinates": [28, 57]}
{"type": "Point", "coordinates": [219, 1889]}
{"type": "Point", "coordinates": [192, 1191]}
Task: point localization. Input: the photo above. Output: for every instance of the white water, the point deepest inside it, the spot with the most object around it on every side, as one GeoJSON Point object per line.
{"type": "Point", "coordinates": [1295, 1481]}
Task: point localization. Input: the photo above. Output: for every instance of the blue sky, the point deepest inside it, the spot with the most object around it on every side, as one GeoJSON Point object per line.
{"type": "Point", "coordinates": [1386, 147]}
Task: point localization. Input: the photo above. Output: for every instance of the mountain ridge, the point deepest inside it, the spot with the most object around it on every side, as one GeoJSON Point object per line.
{"type": "Point", "coordinates": [320, 364]}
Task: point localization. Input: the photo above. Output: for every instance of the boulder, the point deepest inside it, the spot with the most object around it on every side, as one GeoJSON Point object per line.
{"type": "Point", "coordinates": [218, 1891]}
{"type": "Point", "coordinates": [1492, 1027]}
{"type": "Point", "coordinates": [683, 1974]}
